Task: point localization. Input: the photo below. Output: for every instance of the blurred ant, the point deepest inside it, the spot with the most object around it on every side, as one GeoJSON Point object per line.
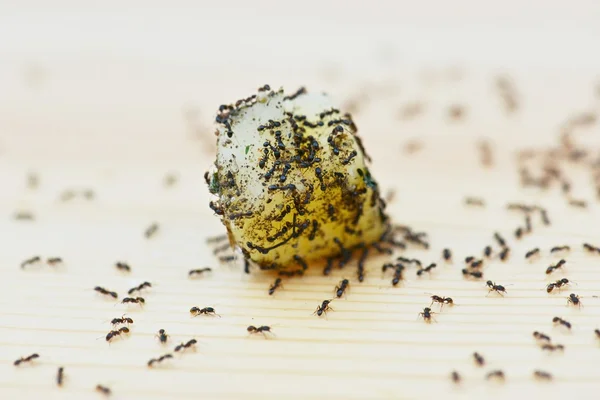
{"type": "Point", "coordinates": [479, 360]}
{"type": "Point", "coordinates": [159, 359]}
{"type": "Point", "coordinates": [136, 300]}
{"type": "Point", "coordinates": [26, 359]}
{"type": "Point", "coordinates": [341, 288]}
{"type": "Point", "coordinates": [541, 336]}
{"type": "Point", "coordinates": [198, 272]}
{"type": "Point", "coordinates": [560, 321]}
{"type": "Point", "coordinates": [558, 265]}
{"type": "Point", "coordinates": [184, 346]}
{"type": "Point", "coordinates": [274, 286]}
{"type": "Point", "coordinates": [542, 375]}
{"type": "Point", "coordinates": [495, 374]}
{"type": "Point", "coordinates": [103, 389]}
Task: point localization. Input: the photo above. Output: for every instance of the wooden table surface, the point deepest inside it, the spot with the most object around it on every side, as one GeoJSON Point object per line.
{"type": "Point", "coordinates": [107, 114]}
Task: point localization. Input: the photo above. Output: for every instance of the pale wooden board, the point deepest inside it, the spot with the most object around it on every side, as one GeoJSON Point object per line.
{"type": "Point", "coordinates": [117, 126]}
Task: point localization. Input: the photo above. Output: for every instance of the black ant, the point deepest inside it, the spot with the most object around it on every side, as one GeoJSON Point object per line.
{"type": "Point", "coordinates": [469, 259]}
{"type": "Point", "coordinates": [426, 269]}
{"type": "Point", "coordinates": [487, 251]}
{"type": "Point", "coordinates": [553, 347]}
{"type": "Point", "coordinates": [122, 320]}
{"type": "Point", "coordinates": [323, 308]}
{"type": "Point", "coordinates": [427, 315]}
{"type": "Point", "coordinates": [136, 300]}
{"type": "Point", "coordinates": [26, 359]}
{"type": "Point", "coordinates": [261, 329]}
{"type": "Point", "coordinates": [495, 288]}
{"type": "Point", "coordinates": [60, 375]}
{"type": "Point", "coordinates": [159, 359]}
{"type": "Point", "coordinates": [504, 254]}
{"type": "Point", "coordinates": [590, 248]}
{"type": "Point", "coordinates": [121, 266]}
{"type": "Point", "coordinates": [162, 336]}
{"type": "Point", "coordinates": [558, 284]}
{"type": "Point", "coordinates": [410, 261]}
{"type": "Point", "coordinates": [198, 272]}
{"type": "Point", "coordinates": [532, 253]}
{"type": "Point", "coordinates": [556, 249]}
{"type": "Point", "coordinates": [574, 299]}
{"type": "Point", "coordinates": [472, 274]}
{"type": "Point", "coordinates": [52, 261]}
{"type": "Point", "coordinates": [455, 377]}
{"type": "Point", "coordinates": [341, 288]}
{"type": "Point", "coordinates": [103, 389]}
{"type": "Point", "coordinates": [597, 332]}
{"type": "Point", "coordinates": [558, 265]}
{"type": "Point", "coordinates": [274, 286]}
{"type": "Point", "coordinates": [541, 336]}
{"type": "Point", "coordinates": [542, 375]}
{"type": "Point", "coordinates": [479, 360]}
{"type": "Point", "coordinates": [441, 300]}
{"type": "Point", "coordinates": [140, 287]}
{"type": "Point", "coordinates": [495, 374]}
{"type": "Point", "coordinates": [30, 261]}
{"type": "Point", "coordinates": [106, 292]}
{"type": "Point", "coordinates": [112, 334]}
{"type": "Point", "coordinates": [476, 264]}
{"type": "Point", "coordinates": [187, 345]}
{"type": "Point", "coordinates": [447, 254]}
{"type": "Point", "coordinates": [195, 311]}
{"type": "Point", "coordinates": [499, 239]}
{"type": "Point", "coordinates": [560, 321]}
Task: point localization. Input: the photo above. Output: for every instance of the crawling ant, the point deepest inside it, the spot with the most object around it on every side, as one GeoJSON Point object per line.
{"type": "Point", "coordinates": [140, 287]}
{"type": "Point", "coordinates": [519, 232]}
{"type": "Point", "coordinates": [544, 215]}
{"type": "Point", "coordinates": [122, 320]}
{"type": "Point", "coordinates": [574, 299]}
{"type": "Point", "coordinates": [560, 321]}
{"type": "Point", "coordinates": [542, 375]}
{"type": "Point", "coordinates": [261, 329]}
{"type": "Point", "coordinates": [541, 336]}
{"type": "Point", "coordinates": [60, 374]}
{"type": "Point", "coordinates": [159, 359]}
{"type": "Point", "coordinates": [447, 254]}
{"type": "Point", "coordinates": [597, 332]}
{"type": "Point", "coordinates": [274, 286]}
{"type": "Point", "coordinates": [590, 248]}
{"type": "Point", "coordinates": [341, 288]}
{"type": "Point", "coordinates": [476, 264]}
{"type": "Point", "coordinates": [323, 308]}
{"type": "Point", "coordinates": [30, 261]}
{"type": "Point", "coordinates": [26, 359]}
{"type": "Point", "coordinates": [112, 334]}
{"type": "Point", "coordinates": [198, 272]}
{"type": "Point", "coordinates": [121, 266]}
{"type": "Point", "coordinates": [472, 274]}
{"type": "Point", "coordinates": [479, 360]}
{"type": "Point", "coordinates": [558, 284]}
{"type": "Point", "coordinates": [495, 374]}
{"type": "Point", "coordinates": [195, 311]}
{"type": "Point", "coordinates": [328, 266]}
{"type": "Point", "coordinates": [556, 249]}
{"type": "Point", "coordinates": [487, 251]}
{"type": "Point", "coordinates": [558, 265]}
{"type": "Point", "coordinates": [52, 261]}
{"type": "Point", "coordinates": [499, 239]}
{"type": "Point", "coordinates": [469, 259]}
{"type": "Point", "coordinates": [106, 292]}
{"type": "Point", "coordinates": [427, 315]}
{"type": "Point", "coordinates": [420, 271]}
{"type": "Point", "coordinates": [103, 389]}
{"type": "Point", "coordinates": [151, 230]}
{"type": "Point", "coordinates": [136, 300]}
{"type": "Point", "coordinates": [187, 345]}
{"type": "Point", "coordinates": [455, 377]}
{"type": "Point", "coordinates": [162, 336]}
{"type": "Point", "coordinates": [553, 347]}
{"type": "Point", "coordinates": [441, 300]}
{"type": "Point", "coordinates": [495, 288]}
{"type": "Point", "coordinates": [532, 253]}
{"type": "Point", "coordinates": [504, 253]}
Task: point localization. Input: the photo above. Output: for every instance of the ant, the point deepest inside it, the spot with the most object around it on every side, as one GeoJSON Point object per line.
{"type": "Point", "coordinates": [261, 329]}
{"type": "Point", "coordinates": [499, 239]}
{"type": "Point", "coordinates": [52, 261]}
{"type": "Point", "coordinates": [274, 286]}
{"type": "Point", "coordinates": [542, 375]}
{"type": "Point", "coordinates": [159, 359]}
{"type": "Point", "coordinates": [532, 253]}
{"type": "Point", "coordinates": [26, 359]}
{"type": "Point", "coordinates": [557, 249]}
{"type": "Point", "coordinates": [427, 315]}
{"type": "Point", "coordinates": [455, 377]}
{"type": "Point", "coordinates": [112, 334]}
{"type": "Point", "coordinates": [590, 248]}
{"type": "Point", "coordinates": [195, 311]}
{"type": "Point", "coordinates": [162, 336]}
{"type": "Point", "coordinates": [541, 336]}
{"type": "Point", "coordinates": [136, 300]}
{"type": "Point", "coordinates": [472, 274]}
{"type": "Point", "coordinates": [121, 266]}
{"type": "Point", "coordinates": [495, 374]}
{"type": "Point", "coordinates": [103, 389]}
{"type": "Point", "coordinates": [474, 201]}
{"type": "Point", "coordinates": [560, 321]}
{"type": "Point", "coordinates": [496, 288]}
{"type": "Point", "coordinates": [198, 272]}
{"type": "Point", "coordinates": [441, 300]}
{"type": "Point", "coordinates": [487, 251]}
{"type": "Point", "coordinates": [597, 332]}
{"type": "Point", "coordinates": [341, 288]}
{"type": "Point", "coordinates": [122, 320]}
{"type": "Point", "coordinates": [558, 284]}
{"type": "Point", "coordinates": [574, 299]}
{"type": "Point", "coordinates": [476, 264]}
{"type": "Point", "coordinates": [60, 376]}
{"type": "Point", "coordinates": [107, 292]}
{"type": "Point", "coordinates": [187, 345]}
{"type": "Point", "coordinates": [544, 215]}
{"type": "Point", "coordinates": [469, 259]}
{"type": "Point", "coordinates": [140, 287]}
{"type": "Point", "coordinates": [558, 265]}
{"type": "Point", "coordinates": [323, 308]}
{"type": "Point", "coordinates": [447, 254]}
{"type": "Point", "coordinates": [553, 347]}
{"type": "Point", "coordinates": [504, 253]}
{"type": "Point", "coordinates": [30, 261]}
{"type": "Point", "coordinates": [420, 271]}
{"type": "Point", "coordinates": [479, 360]}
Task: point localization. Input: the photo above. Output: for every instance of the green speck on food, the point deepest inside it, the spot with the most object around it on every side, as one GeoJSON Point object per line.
{"type": "Point", "coordinates": [248, 148]}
